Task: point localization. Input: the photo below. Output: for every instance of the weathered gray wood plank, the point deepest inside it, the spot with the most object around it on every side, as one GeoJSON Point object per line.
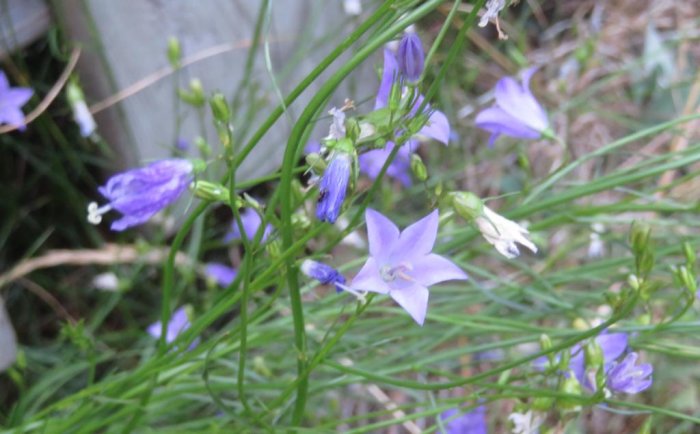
{"type": "Point", "coordinates": [21, 23]}
{"type": "Point", "coordinates": [126, 40]}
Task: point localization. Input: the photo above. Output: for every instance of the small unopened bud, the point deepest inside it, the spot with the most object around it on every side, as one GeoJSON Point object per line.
{"type": "Point", "coordinates": [570, 386]}
{"type": "Point", "coordinates": [195, 95]}
{"type": "Point", "coordinates": [210, 191]}
{"type": "Point", "coordinates": [418, 168]}
{"type": "Point", "coordinates": [545, 342]}
{"type": "Point", "coordinates": [687, 278]}
{"type": "Point", "coordinates": [202, 146]}
{"type": "Point", "coordinates": [174, 52]}
{"type": "Point", "coordinates": [219, 107]}
{"type": "Point", "coordinates": [593, 355]}
{"type": "Point", "coordinates": [542, 403]}
{"type": "Point", "coordinates": [316, 162]}
{"type": "Point", "coordinates": [639, 237]}
{"type": "Point", "coordinates": [633, 282]}
{"type": "Point", "coordinates": [690, 256]}
{"type": "Point", "coordinates": [468, 205]}
{"type": "Point", "coordinates": [411, 57]}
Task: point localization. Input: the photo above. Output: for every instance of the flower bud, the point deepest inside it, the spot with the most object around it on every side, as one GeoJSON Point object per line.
{"type": "Point", "coordinates": [333, 187]}
{"type": "Point", "coordinates": [195, 95]}
{"type": "Point", "coordinates": [570, 386]}
{"type": "Point", "coordinates": [418, 168]}
{"type": "Point", "coordinates": [219, 107]}
{"type": "Point", "coordinates": [174, 52]}
{"type": "Point", "coordinates": [690, 256]}
{"type": "Point", "coordinates": [316, 162]}
{"type": "Point", "coordinates": [593, 355]}
{"type": "Point", "coordinates": [467, 204]}
{"type": "Point", "coordinates": [211, 192]}
{"type": "Point", "coordinates": [411, 57]}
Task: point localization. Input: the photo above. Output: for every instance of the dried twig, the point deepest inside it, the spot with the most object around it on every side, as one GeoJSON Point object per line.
{"type": "Point", "coordinates": [110, 254]}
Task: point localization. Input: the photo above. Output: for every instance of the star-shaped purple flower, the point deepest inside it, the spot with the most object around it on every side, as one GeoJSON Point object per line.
{"type": "Point", "coordinates": [140, 193]}
{"type": "Point", "coordinates": [222, 274]}
{"type": "Point", "coordinates": [516, 113]}
{"type": "Point", "coordinates": [401, 264]}
{"type": "Point", "coordinates": [628, 377]}
{"type": "Point", "coordinates": [11, 101]}
{"type": "Point", "coordinates": [251, 222]}
{"type": "Point", "coordinates": [471, 422]}
{"type": "Point", "coordinates": [437, 128]}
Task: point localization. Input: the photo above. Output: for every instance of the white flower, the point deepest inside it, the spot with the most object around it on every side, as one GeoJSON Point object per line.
{"type": "Point", "coordinates": [525, 423]}
{"type": "Point", "coordinates": [493, 8]}
{"type": "Point", "coordinates": [337, 129]}
{"type": "Point", "coordinates": [84, 119]}
{"type": "Point", "coordinates": [106, 282]}
{"type": "Point", "coordinates": [596, 248]}
{"type": "Point", "coordinates": [503, 233]}
{"type": "Point", "coordinates": [352, 7]}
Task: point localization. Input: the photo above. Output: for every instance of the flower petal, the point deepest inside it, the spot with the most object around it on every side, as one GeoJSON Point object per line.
{"type": "Point", "coordinates": [437, 128]}
{"type": "Point", "coordinates": [497, 121]}
{"type": "Point", "coordinates": [391, 68]}
{"type": "Point", "coordinates": [17, 96]}
{"type": "Point", "coordinates": [417, 240]}
{"type": "Point", "coordinates": [414, 300]}
{"type": "Point", "coordinates": [613, 345]}
{"type": "Point", "coordinates": [369, 279]}
{"type": "Point", "coordinates": [222, 274]}
{"type": "Point", "coordinates": [518, 101]}
{"type": "Point", "coordinates": [433, 269]}
{"type": "Point", "coordinates": [382, 234]}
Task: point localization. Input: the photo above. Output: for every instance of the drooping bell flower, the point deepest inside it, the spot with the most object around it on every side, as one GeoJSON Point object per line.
{"type": "Point", "coordinates": [333, 187]}
{"type": "Point", "coordinates": [140, 193]}
{"type": "Point", "coordinates": [516, 113]}
{"type": "Point", "coordinates": [11, 101]}
{"type": "Point", "coordinates": [411, 57]}
{"type": "Point", "coordinates": [325, 274]}
{"type": "Point", "coordinates": [401, 264]}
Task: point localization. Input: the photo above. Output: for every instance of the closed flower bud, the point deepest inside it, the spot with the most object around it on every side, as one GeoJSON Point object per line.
{"type": "Point", "coordinates": [211, 191]}
{"type": "Point", "coordinates": [333, 187]}
{"type": "Point", "coordinates": [195, 95]}
{"type": "Point", "coordinates": [325, 274]}
{"type": "Point", "coordinates": [418, 168]}
{"type": "Point", "coordinates": [219, 107]}
{"type": "Point", "coordinates": [570, 386]}
{"type": "Point", "coordinates": [174, 52]}
{"type": "Point", "coordinates": [411, 57]}
{"type": "Point", "coordinates": [593, 355]}
{"type": "Point", "coordinates": [467, 205]}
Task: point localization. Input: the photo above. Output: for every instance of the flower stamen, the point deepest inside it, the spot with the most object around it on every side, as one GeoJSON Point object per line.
{"type": "Point", "coordinates": [95, 212]}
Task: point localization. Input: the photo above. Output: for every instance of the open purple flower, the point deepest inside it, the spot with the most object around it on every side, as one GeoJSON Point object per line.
{"type": "Point", "coordinates": [11, 101]}
{"type": "Point", "coordinates": [140, 193]}
{"type": "Point", "coordinates": [251, 223]}
{"type": "Point", "coordinates": [179, 322]}
{"type": "Point", "coordinates": [628, 377]}
{"type": "Point", "coordinates": [437, 128]}
{"type": "Point", "coordinates": [333, 187]}
{"type": "Point", "coordinates": [325, 274]}
{"type": "Point", "coordinates": [471, 422]}
{"type": "Point", "coordinates": [401, 264]}
{"type": "Point", "coordinates": [516, 113]}
{"type": "Point", "coordinates": [222, 274]}
{"type": "Point", "coordinates": [411, 57]}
